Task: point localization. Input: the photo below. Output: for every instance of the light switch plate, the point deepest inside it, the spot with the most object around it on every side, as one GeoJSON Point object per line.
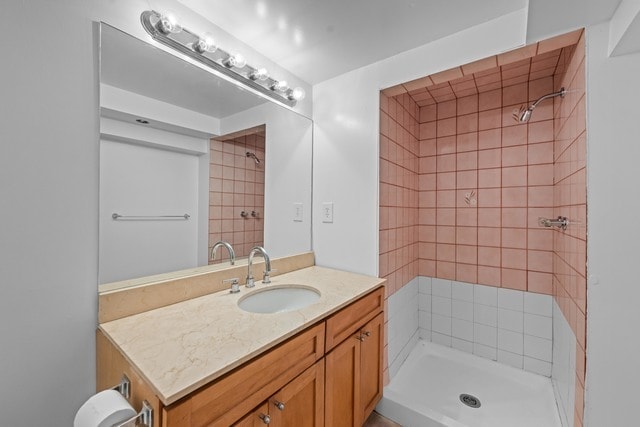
{"type": "Point", "coordinates": [327, 212]}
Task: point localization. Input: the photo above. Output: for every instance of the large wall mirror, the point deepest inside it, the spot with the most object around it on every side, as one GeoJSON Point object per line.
{"type": "Point", "coordinates": [188, 158]}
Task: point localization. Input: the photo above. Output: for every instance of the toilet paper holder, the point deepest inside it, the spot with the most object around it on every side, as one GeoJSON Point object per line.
{"type": "Point", "coordinates": [124, 387]}
{"type": "Point", "coordinates": [146, 413]}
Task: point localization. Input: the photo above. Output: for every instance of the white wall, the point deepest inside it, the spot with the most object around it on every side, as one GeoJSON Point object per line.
{"type": "Point", "coordinates": [48, 213]}
{"type": "Point", "coordinates": [346, 149]}
{"type": "Point", "coordinates": [288, 164]}
{"type": "Point", "coordinates": [613, 243]}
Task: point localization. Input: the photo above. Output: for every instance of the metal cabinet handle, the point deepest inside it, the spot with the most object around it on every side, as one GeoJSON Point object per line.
{"type": "Point", "coordinates": [359, 337]}
{"type": "Point", "coordinates": [265, 418]}
{"type": "Point", "coordinates": [366, 333]}
{"type": "Point", "coordinates": [279, 405]}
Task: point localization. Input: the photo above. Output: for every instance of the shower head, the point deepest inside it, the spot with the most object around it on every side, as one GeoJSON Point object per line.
{"type": "Point", "coordinates": [524, 114]}
{"type": "Point", "coordinates": [254, 157]}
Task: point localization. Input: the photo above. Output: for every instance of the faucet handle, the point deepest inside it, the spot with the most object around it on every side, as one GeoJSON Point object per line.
{"type": "Point", "coordinates": [266, 276]}
{"type": "Point", "coordinates": [235, 286]}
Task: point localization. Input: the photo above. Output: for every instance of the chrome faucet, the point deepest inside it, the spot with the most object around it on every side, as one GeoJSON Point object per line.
{"type": "Point", "coordinates": [232, 254]}
{"type": "Point", "coordinates": [267, 266]}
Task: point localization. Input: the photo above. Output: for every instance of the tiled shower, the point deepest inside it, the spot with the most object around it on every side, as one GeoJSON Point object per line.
{"type": "Point", "coordinates": [462, 186]}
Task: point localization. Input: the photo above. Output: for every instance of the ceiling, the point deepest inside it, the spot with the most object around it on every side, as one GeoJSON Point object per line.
{"type": "Point", "coordinates": [320, 39]}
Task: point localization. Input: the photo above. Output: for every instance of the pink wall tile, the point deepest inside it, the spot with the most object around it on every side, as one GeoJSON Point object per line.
{"type": "Point", "coordinates": [468, 104]}
{"type": "Point", "coordinates": [489, 236]}
{"type": "Point", "coordinates": [489, 276]}
{"type": "Point", "coordinates": [491, 138]}
{"type": "Point", "coordinates": [490, 119]}
{"type": "Point", "coordinates": [489, 158]}
{"type": "Point", "coordinates": [446, 127]}
{"type": "Point", "coordinates": [489, 197]}
{"type": "Point", "coordinates": [490, 99]}
{"type": "Point", "coordinates": [467, 161]}
{"type": "Point", "coordinates": [514, 279]}
{"type": "Point", "coordinates": [514, 176]}
{"type": "Point", "coordinates": [490, 178]}
{"type": "Point", "coordinates": [489, 217]}
{"type": "Point", "coordinates": [467, 142]}
{"type": "Point", "coordinates": [514, 217]}
{"type": "Point", "coordinates": [466, 178]}
{"type": "Point", "coordinates": [515, 94]}
{"type": "Point", "coordinates": [514, 238]}
{"type": "Point", "coordinates": [446, 145]}
{"type": "Point", "coordinates": [489, 256]}
{"type": "Point", "coordinates": [467, 254]}
{"type": "Point", "coordinates": [514, 156]}
{"type": "Point", "coordinates": [514, 258]}
{"type": "Point", "coordinates": [514, 135]}
{"type": "Point", "coordinates": [466, 235]}
{"type": "Point", "coordinates": [446, 163]}
{"type": "Point", "coordinates": [467, 272]}
{"type": "Point", "coordinates": [513, 197]}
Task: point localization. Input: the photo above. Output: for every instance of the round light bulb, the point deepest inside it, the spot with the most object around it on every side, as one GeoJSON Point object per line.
{"type": "Point", "coordinates": [205, 43]}
{"type": "Point", "coordinates": [168, 23]}
{"type": "Point", "coordinates": [297, 94]}
{"type": "Point", "coordinates": [259, 74]}
{"type": "Point", "coordinates": [235, 60]}
{"type": "Point", "coordinates": [280, 86]}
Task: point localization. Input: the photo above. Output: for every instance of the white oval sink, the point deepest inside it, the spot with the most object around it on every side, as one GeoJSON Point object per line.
{"type": "Point", "coordinates": [279, 299]}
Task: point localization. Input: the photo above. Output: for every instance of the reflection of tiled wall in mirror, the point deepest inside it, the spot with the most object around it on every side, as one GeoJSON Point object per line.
{"type": "Point", "coordinates": [236, 185]}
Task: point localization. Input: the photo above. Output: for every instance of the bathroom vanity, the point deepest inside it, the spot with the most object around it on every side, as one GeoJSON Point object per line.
{"type": "Point", "coordinates": [204, 361]}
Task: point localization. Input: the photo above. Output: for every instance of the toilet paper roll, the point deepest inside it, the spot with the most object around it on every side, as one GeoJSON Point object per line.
{"type": "Point", "coordinates": [104, 409]}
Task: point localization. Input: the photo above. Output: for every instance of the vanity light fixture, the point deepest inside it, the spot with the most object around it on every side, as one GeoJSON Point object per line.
{"type": "Point", "coordinates": [235, 60]}
{"type": "Point", "coordinates": [280, 86]}
{"type": "Point", "coordinates": [206, 43]}
{"type": "Point", "coordinates": [296, 94]}
{"type": "Point", "coordinates": [168, 23]}
{"type": "Point", "coordinates": [165, 29]}
{"type": "Point", "coordinates": [259, 74]}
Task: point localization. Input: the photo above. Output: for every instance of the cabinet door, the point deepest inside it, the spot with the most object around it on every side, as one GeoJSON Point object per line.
{"type": "Point", "coordinates": [342, 385]}
{"type": "Point", "coordinates": [301, 402]}
{"type": "Point", "coordinates": [259, 417]}
{"type": "Point", "coordinates": [371, 364]}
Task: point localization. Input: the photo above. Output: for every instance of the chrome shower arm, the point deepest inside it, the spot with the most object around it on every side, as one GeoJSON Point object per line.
{"type": "Point", "coordinates": [561, 93]}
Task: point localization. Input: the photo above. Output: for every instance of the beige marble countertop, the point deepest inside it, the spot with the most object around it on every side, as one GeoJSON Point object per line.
{"type": "Point", "coordinates": [181, 347]}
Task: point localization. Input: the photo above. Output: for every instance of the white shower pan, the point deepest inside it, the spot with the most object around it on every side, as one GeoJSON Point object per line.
{"type": "Point", "coordinates": [426, 392]}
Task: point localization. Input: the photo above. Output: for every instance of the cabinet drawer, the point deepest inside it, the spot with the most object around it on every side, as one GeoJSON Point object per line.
{"type": "Point", "coordinates": [348, 320]}
{"type": "Point", "coordinates": [230, 397]}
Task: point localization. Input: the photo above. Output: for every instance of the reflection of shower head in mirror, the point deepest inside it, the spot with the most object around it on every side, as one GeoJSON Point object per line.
{"type": "Point", "coordinates": [254, 157]}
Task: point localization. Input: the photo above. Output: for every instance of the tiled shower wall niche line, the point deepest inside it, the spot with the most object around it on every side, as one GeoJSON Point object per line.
{"type": "Point", "coordinates": [509, 326]}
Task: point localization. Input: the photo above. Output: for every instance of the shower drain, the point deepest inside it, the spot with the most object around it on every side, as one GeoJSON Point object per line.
{"type": "Point", "coordinates": [470, 400]}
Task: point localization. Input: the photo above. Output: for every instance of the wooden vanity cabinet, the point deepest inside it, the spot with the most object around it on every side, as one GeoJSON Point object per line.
{"type": "Point", "coordinates": [330, 375]}
{"type": "Point", "coordinates": [353, 380]}
{"type": "Point", "coordinates": [298, 404]}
